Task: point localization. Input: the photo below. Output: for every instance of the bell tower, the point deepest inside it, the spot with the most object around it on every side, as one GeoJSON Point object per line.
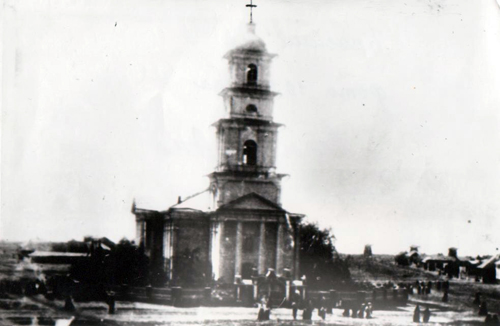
{"type": "Point", "coordinates": [247, 136]}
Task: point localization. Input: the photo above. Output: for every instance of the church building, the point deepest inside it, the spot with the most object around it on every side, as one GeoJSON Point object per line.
{"type": "Point", "coordinates": [236, 229]}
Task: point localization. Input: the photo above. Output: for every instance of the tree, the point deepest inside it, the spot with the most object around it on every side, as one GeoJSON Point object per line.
{"type": "Point", "coordinates": [402, 259]}
{"type": "Point", "coordinates": [127, 264]}
{"type": "Point", "coordinates": [191, 269]}
{"type": "Point", "coordinates": [319, 260]}
{"type": "Point", "coordinates": [124, 264]}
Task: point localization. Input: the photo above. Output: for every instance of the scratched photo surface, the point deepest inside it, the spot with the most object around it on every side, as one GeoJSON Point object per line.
{"type": "Point", "coordinates": [190, 162]}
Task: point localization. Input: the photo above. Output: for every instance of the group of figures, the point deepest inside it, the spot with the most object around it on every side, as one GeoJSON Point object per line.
{"type": "Point", "coordinates": [365, 310]}
{"type": "Point", "coordinates": [426, 315]}
{"type": "Point", "coordinates": [296, 304]}
{"type": "Point", "coordinates": [308, 307]}
{"type": "Point", "coordinates": [491, 319]}
{"type": "Point", "coordinates": [425, 288]}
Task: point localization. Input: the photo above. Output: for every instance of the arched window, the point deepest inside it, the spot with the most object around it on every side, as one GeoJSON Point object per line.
{"type": "Point", "coordinates": [251, 108]}
{"type": "Point", "coordinates": [252, 74]}
{"type": "Point", "coordinates": [250, 153]}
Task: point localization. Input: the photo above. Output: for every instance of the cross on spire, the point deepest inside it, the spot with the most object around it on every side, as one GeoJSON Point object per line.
{"type": "Point", "coordinates": [251, 6]}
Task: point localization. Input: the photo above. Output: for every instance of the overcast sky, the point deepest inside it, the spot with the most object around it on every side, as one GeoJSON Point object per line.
{"type": "Point", "coordinates": [391, 107]}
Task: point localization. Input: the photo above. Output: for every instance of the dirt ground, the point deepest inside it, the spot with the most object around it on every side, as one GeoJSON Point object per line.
{"type": "Point", "coordinates": [39, 311]}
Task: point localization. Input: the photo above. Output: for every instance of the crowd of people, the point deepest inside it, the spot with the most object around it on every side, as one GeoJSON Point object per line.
{"type": "Point", "coordinates": [425, 288]}
{"type": "Point", "coordinates": [365, 309]}
{"type": "Point", "coordinates": [296, 304]}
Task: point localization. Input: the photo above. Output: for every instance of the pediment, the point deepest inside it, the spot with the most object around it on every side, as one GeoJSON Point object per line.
{"type": "Point", "coordinates": [252, 201]}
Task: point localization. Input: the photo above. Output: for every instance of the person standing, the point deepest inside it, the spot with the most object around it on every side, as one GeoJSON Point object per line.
{"type": "Point", "coordinates": [416, 314]}
{"type": "Point", "coordinates": [322, 308]}
{"type": "Point", "coordinates": [477, 299]}
{"type": "Point", "coordinates": [307, 314]}
{"type": "Point", "coordinates": [483, 309]}
{"type": "Point", "coordinates": [445, 297]}
{"type": "Point", "coordinates": [369, 310]}
{"type": "Point", "coordinates": [262, 309]}
{"type": "Point", "coordinates": [427, 315]}
{"type": "Point", "coordinates": [295, 304]}
{"type": "Point", "coordinates": [361, 312]}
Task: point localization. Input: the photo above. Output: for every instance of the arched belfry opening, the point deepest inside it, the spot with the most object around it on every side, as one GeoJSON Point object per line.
{"type": "Point", "coordinates": [251, 108]}
{"type": "Point", "coordinates": [252, 74]}
{"type": "Point", "coordinates": [250, 153]}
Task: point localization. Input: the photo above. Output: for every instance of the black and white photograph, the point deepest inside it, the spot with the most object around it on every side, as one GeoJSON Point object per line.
{"type": "Point", "coordinates": [250, 162]}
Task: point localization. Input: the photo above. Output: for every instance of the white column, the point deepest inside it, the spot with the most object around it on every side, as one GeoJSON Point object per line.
{"type": "Point", "coordinates": [168, 246]}
{"type": "Point", "coordinates": [140, 230]}
{"type": "Point", "coordinates": [296, 252]}
{"type": "Point", "coordinates": [279, 251]}
{"type": "Point", "coordinates": [215, 243]}
{"type": "Point", "coordinates": [262, 248]}
{"type": "Point", "coordinates": [239, 248]}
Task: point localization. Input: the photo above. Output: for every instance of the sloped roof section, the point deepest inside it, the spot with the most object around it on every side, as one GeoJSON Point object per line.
{"type": "Point", "coordinates": [489, 261]}
{"type": "Point", "coordinates": [143, 203]}
{"type": "Point", "coordinates": [201, 201]}
{"type": "Point", "coordinates": [252, 201]}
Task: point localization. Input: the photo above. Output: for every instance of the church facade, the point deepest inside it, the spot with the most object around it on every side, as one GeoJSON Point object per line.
{"type": "Point", "coordinates": [236, 229]}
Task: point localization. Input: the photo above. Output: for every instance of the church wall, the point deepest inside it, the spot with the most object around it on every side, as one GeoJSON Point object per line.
{"type": "Point", "coordinates": [233, 137]}
{"type": "Point", "coordinates": [194, 237]}
{"type": "Point", "coordinates": [238, 106]}
{"type": "Point", "coordinates": [250, 254]}
{"type": "Point", "coordinates": [235, 189]}
{"type": "Point", "coordinates": [227, 255]}
{"type": "Point", "coordinates": [238, 70]}
{"type": "Point", "coordinates": [287, 251]}
{"type": "Point", "coordinates": [270, 245]}
{"type": "Point", "coordinates": [250, 134]}
{"type": "Point", "coordinates": [153, 238]}
{"type": "Point", "coordinates": [231, 148]}
{"type": "Point", "coordinates": [266, 153]}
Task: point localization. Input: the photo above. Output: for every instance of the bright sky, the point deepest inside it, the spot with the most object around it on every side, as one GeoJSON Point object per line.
{"type": "Point", "coordinates": [391, 107]}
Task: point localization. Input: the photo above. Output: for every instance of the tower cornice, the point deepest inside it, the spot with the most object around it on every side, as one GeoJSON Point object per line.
{"type": "Point", "coordinates": [243, 122]}
{"type": "Point", "coordinates": [257, 91]}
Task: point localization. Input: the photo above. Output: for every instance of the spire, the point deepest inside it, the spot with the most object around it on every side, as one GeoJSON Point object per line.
{"type": "Point", "coordinates": [251, 28]}
{"type": "Point", "coordinates": [251, 6]}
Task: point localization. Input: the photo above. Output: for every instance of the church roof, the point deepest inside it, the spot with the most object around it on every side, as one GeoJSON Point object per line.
{"type": "Point", "coordinates": [148, 204]}
{"type": "Point", "coordinates": [489, 261]}
{"type": "Point", "coordinates": [201, 201]}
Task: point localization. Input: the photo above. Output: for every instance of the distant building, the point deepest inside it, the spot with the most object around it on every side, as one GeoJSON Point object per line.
{"type": "Point", "coordinates": [437, 262]}
{"type": "Point", "coordinates": [488, 269]}
{"type": "Point", "coordinates": [368, 251]}
{"type": "Point", "coordinates": [236, 228]}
